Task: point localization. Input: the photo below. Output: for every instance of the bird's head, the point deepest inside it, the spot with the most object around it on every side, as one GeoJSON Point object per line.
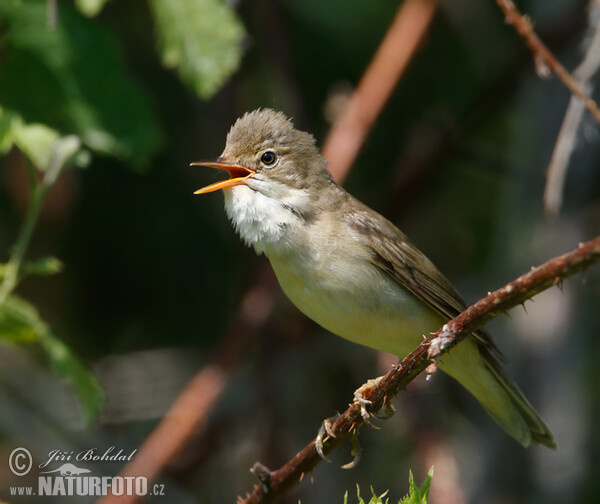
{"type": "Point", "coordinates": [264, 151]}
{"type": "Point", "coordinates": [276, 178]}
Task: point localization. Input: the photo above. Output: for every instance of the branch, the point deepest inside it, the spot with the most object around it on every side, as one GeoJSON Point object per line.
{"type": "Point", "coordinates": [542, 55]}
{"type": "Point", "coordinates": [566, 141]}
{"type": "Point", "coordinates": [274, 483]}
{"type": "Point", "coordinates": [349, 132]}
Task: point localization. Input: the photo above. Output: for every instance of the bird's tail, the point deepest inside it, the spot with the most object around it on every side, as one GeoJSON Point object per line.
{"type": "Point", "coordinates": [479, 372]}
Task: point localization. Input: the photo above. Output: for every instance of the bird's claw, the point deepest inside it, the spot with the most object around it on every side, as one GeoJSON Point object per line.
{"type": "Point", "coordinates": [356, 452]}
{"type": "Point", "coordinates": [325, 431]}
{"type": "Point", "coordinates": [388, 411]}
{"type": "Point", "coordinates": [363, 402]}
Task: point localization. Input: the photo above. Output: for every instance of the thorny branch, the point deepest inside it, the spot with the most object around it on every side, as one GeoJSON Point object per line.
{"type": "Point", "coordinates": [274, 483]}
{"type": "Point", "coordinates": [542, 55]}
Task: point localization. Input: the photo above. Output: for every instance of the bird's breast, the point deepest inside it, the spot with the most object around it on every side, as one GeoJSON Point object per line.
{"type": "Point", "coordinates": [330, 278]}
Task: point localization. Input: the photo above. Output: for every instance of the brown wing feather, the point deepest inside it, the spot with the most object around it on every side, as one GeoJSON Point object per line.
{"type": "Point", "coordinates": [394, 254]}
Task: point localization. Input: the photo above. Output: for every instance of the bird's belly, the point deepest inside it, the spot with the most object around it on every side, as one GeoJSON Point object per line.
{"type": "Point", "coordinates": [358, 302]}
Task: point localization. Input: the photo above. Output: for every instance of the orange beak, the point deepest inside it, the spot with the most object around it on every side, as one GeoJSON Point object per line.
{"type": "Point", "coordinates": [237, 173]}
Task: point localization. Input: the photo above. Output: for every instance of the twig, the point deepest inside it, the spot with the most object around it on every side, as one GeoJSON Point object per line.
{"type": "Point", "coordinates": [38, 192]}
{"type": "Point", "coordinates": [399, 45]}
{"type": "Point", "coordinates": [192, 408]}
{"type": "Point", "coordinates": [275, 483]}
{"type": "Point", "coordinates": [543, 56]}
{"type": "Point", "coordinates": [566, 141]}
{"type": "Point", "coordinates": [188, 414]}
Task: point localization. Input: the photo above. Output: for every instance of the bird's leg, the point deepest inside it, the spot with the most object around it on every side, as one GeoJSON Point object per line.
{"type": "Point", "coordinates": [363, 402]}
{"type": "Point", "coordinates": [324, 431]}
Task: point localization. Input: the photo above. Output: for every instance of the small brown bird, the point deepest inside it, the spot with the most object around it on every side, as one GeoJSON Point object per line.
{"type": "Point", "coordinates": [347, 267]}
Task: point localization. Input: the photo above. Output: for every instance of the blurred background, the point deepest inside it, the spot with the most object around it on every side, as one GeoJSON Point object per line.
{"type": "Point", "coordinates": [131, 285]}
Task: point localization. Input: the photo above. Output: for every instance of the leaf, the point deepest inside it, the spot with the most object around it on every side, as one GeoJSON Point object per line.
{"type": "Point", "coordinates": [90, 8]}
{"type": "Point", "coordinates": [70, 368]}
{"type": "Point", "coordinates": [415, 494]}
{"type": "Point", "coordinates": [375, 499]}
{"type": "Point", "coordinates": [44, 266]}
{"type": "Point", "coordinates": [37, 142]}
{"type": "Point", "coordinates": [8, 122]}
{"type": "Point", "coordinates": [201, 39]}
{"type": "Point", "coordinates": [41, 144]}
{"type": "Point", "coordinates": [21, 324]}
{"type": "Point", "coordinates": [72, 79]}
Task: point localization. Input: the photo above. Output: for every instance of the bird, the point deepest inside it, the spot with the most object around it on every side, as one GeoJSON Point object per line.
{"type": "Point", "coordinates": [347, 267]}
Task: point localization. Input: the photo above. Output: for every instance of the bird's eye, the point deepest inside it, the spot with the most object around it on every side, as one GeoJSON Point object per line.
{"type": "Point", "coordinates": [268, 158]}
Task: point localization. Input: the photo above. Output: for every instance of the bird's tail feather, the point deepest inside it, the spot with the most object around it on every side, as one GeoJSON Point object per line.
{"type": "Point", "coordinates": [539, 432]}
{"type": "Point", "coordinates": [479, 372]}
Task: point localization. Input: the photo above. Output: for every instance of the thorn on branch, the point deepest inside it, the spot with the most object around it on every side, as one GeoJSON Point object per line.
{"type": "Point", "coordinates": [541, 67]}
{"type": "Point", "coordinates": [263, 474]}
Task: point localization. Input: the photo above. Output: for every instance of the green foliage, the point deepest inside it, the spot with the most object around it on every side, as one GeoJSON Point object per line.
{"type": "Point", "coordinates": [70, 368]}
{"type": "Point", "coordinates": [201, 39]}
{"type": "Point", "coordinates": [90, 8]}
{"type": "Point", "coordinates": [72, 80]}
{"type": "Point", "coordinates": [42, 145]}
{"type": "Point", "coordinates": [21, 324]}
{"type": "Point", "coordinates": [43, 266]}
{"type": "Point", "coordinates": [416, 495]}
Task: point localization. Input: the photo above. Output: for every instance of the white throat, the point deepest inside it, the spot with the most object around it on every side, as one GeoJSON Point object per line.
{"type": "Point", "coordinates": [266, 214]}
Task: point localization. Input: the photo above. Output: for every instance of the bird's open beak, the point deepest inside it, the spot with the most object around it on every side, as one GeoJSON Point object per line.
{"type": "Point", "coordinates": [237, 173]}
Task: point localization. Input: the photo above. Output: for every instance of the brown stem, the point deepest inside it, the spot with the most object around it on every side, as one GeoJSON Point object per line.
{"type": "Point", "coordinates": [275, 483]}
{"type": "Point", "coordinates": [543, 56]}
{"type": "Point", "coordinates": [397, 48]}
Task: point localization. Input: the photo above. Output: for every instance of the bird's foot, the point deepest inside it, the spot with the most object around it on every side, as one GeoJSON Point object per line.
{"type": "Point", "coordinates": [325, 431]}
{"type": "Point", "coordinates": [363, 402]}
{"type": "Point", "coordinates": [356, 452]}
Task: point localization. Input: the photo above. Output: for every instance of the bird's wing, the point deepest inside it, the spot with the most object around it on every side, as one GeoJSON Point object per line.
{"type": "Point", "coordinates": [394, 254]}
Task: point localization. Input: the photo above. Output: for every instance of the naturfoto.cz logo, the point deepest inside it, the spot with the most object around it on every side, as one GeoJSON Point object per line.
{"type": "Point", "coordinates": [73, 479]}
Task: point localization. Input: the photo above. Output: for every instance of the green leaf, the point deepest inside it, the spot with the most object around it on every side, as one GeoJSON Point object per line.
{"type": "Point", "coordinates": [375, 499]}
{"type": "Point", "coordinates": [69, 367]}
{"type": "Point", "coordinates": [21, 324]}
{"type": "Point", "coordinates": [201, 39]}
{"type": "Point", "coordinates": [415, 494]}
{"type": "Point", "coordinates": [8, 122]}
{"type": "Point", "coordinates": [72, 79]}
{"type": "Point", "coordinates": [37, 141]}
{"type": "Point", "coordinates": [90, 8]}
{"type": "Point", "coordinates": [44, 266]}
